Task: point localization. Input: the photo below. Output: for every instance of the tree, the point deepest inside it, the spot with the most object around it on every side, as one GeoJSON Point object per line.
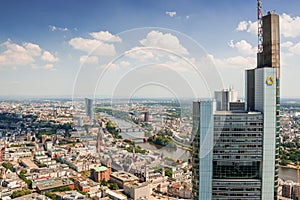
{"type": "Point", "coordinates": [113, 186]}
{"type": "Point", "coordinates": [20, 193]}
{"type": "Point", "coordinates": [23, 177]}
{"type": "Point", "coordinates": [103, 182]}
{"type": "Point", "coordinates": [50, 195]}
{"type": "Point", "coordinates": [168, 172]}
{"type": "Point", "coordinates": [62, 189]}
{"type": "Point", "coordinates": [7, 166]}
{"type": "Point", "coordinates": [285, 162]}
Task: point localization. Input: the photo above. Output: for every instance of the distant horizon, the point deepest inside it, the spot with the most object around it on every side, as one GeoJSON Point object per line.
{"type": "Point", "coordinates": [15, 97]}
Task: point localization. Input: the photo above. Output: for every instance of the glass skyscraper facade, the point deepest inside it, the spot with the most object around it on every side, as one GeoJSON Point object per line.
{"type": "Point", "coordinates": [235, 151]}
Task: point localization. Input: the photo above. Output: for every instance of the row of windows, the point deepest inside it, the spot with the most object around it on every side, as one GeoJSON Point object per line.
{"type": "Point", "coordinates": [238, 123]}
{"type": "Point", "coordinates": [236, 171]}
{"type": "Point", "coordinates": [241, 135]}
{"type": "Point", "coordinates": [252, 152]}
{"type": "Point", "coordinates": [235, 157]}
{"type": "Point", "coordinates": [245, 129]}
{"type": "Point", "coordinates": [240, 146]}
{"type": "Point", "coordinates": [235, 189]}
{"type": "Point", "coordinates": [238, 118]}
{"type": "Point", "coordinates": [236, 195]}
{"type": "Point", "coordinates": [242, 140]}
{"type": "Point", "coordinates": [248, 183]}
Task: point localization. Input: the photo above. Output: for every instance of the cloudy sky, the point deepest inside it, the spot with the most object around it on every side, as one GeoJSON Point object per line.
{"type": "Point", "coordinates": [138, 48]}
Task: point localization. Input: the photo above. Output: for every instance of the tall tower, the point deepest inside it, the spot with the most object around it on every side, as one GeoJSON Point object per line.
{"type": "Point", "coordinates": [235, 153]}
{"type": "Point", "coordinates": [99, 142]}
{"type": "Point", "coordinates": [268, 59]}
{"type": "Point", "coordinates": [89, 107]}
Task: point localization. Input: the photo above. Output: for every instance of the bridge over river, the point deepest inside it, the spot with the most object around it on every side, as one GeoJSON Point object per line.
{"type": "Point", "coordinates": [128, 130]}
{"type": "Point", "coordinates": [136, 133]}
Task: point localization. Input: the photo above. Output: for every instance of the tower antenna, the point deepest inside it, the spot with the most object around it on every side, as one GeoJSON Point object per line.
{"type": "Point", "coordinates": [260, 26]}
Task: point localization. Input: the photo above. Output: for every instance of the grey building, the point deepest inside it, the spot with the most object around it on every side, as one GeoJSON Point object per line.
{"type": "Point", "coordinates": [235, 151]}
{"type": "Point", "coordinates": [89, 108]}
{"type": "Point", "coordinates": [224, 97]}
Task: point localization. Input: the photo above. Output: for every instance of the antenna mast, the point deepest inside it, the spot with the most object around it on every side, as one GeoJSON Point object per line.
{"type": "Point", "coordinates": [260, 26]}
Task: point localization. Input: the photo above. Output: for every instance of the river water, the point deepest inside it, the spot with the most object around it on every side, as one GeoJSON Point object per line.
{"type": "Point", "coordinates": [130, 130]}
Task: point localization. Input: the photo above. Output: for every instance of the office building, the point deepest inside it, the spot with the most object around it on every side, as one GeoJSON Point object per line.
{"type": "Point", "coordinates": [224, 97]}
{"type": "Point", "coordinates": [235, 150]}
{"type": "Point", "coordinates": [89, 108]}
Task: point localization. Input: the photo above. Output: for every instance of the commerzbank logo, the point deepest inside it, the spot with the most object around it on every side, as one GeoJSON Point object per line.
{"type": "Point", "coordinates": [270, 80]}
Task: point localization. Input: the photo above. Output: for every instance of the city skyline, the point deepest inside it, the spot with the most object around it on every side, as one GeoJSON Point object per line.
{"type": "Point", "coordinates": [44, 44]}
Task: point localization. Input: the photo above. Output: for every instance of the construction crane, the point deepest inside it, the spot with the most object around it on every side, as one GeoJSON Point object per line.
{"type": "Point", "coordinates": [260, 26]}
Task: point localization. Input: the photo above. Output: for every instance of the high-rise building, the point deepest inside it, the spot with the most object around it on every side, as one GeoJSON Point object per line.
{"type": "Point", "coordinates": [89, 107]}
{"type": "Point", "coordinates": [267, 60]}
{"type": "Point", "coordinates": [235, 151]}
{"type": "Point", "coordinates": [224, 97]}
{"type": "Point", "coordinates": [146, 116]}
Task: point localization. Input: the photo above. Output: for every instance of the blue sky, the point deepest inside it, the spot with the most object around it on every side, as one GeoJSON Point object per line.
{"type": "Point", "coordinates": [44, 43]}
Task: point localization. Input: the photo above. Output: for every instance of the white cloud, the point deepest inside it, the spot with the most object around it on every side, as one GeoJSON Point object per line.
{"type": "Point", "coordinates": [171, 13]}
{"type": "Point", "coordinates": [248, 26]}
{"type": "Point", "coordinates": [242, 26]}
{"type": "Point", "coordinates": [47, 56]}
{"type": "Point", "coordinates": [289, 26]}
{"type": "Point", "coordinates": [26, 54]}
{"type": "Point", "coordinates": [124, 63]}
{"type": "Point", "coordinates": [243, 47]}
{"type": "Point", "coordinates": [292, 48]}
{"type": "Point", "coordinates": [179, 65]}
{"type": "Point", "coordinates": [15, 55]}
{"type": "Point", "coordinates": [295, 49]}
{"type": "Point", "coordinates": [115, 66]}
{"type": "Point", "coordinates": [82, 44]}
{"type": "Point", "coordinates": [234, 62]}
{"type": "Point", "coordinates": [164, 41]}
{"type": "Point", "coordinates": [240, 61]}
{"type": "Point", "coordinates": [140, 53]}
{"type": "Point", "coordinates": [93, 46]}
{"type": "Point", "coordinates": [33, 49]}
{"type": "Point", "coordinates": [86, 60]}
{"type": "Point", "coordinates": [287, 44]}
{"type": "Point", "coordinates": [105, 36]}
{"type": "Point", "coordinates": [48, 66]}
{"type": "Point", "coordinates": [55, 28]}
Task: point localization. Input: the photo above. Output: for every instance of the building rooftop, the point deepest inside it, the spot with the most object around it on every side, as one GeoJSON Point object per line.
{"type": "Point", "coordinates": [53, 183]}
{"type": "Point", "coordinates": [100, 169]}
{"type": "Point", "coordinates": [116, 194]}
{"type": "Point", "coordinates": [32, 196]}
{"type": "Point", "coordinates": [124, 176]}
{"type": "Point", "coordinates": [71, 195]}
{"type": "Point", "coordinates": [29, 163]}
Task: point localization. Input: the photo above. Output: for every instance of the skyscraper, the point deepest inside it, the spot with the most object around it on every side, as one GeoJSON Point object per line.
{"type": "Point", "coordinates": [235, 152]}
{"type": "Point", "coordinates": [224, 97]}
{"type": "Point", "coordinates": [89, 107]}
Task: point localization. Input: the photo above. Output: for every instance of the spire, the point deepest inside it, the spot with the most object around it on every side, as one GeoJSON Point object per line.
{"type": "Point", "coordinates": [260, 26]}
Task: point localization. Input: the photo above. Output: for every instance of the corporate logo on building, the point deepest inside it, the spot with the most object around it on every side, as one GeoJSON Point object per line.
{"type": "Point", "coordinates": [270, 80]}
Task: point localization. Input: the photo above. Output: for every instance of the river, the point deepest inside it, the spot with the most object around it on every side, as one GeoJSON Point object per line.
{"type": "Point", "coordinates": [134, 131]}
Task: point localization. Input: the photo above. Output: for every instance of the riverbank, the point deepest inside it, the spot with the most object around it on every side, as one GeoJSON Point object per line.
{"type": "Point", "coordinates": [184, 146]}
{"type": "Point", "coordinates": [180, 153]}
